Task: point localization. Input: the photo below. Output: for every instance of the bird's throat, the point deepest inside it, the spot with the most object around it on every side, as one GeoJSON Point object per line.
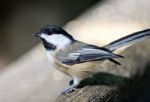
{"type": "Point", "coordinates": [48, 46]}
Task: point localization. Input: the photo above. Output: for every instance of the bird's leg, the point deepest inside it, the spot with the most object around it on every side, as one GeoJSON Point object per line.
{"type": "Point", "coordinates": [71, 82]}
{"type": "Point", "coordinates": [76, 82]}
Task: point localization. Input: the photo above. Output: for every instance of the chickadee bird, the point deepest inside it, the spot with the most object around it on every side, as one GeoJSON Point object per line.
{"type": "Point", "coordinates": [78, 59]}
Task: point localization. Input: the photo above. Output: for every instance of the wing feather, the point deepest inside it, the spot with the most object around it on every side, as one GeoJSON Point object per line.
{"type": "Point", "coordinates": [85, 54]}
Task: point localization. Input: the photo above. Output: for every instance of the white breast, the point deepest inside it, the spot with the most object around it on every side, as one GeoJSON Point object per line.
{"type": "Point", "coordinates": [50, 57]}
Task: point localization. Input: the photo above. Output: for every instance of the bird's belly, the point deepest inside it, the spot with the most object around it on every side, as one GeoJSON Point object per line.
{"type": "Point", "coordinates": [82, 70]}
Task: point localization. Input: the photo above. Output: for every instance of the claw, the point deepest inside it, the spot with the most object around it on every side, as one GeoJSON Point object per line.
{"type": "Point", "coordinates": [70, 89]}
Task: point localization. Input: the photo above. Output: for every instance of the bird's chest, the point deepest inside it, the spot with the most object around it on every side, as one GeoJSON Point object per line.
{"type": "Point", "coordinates": [56, 63]}
{"type": "Point", "coordinates": [50, 56]}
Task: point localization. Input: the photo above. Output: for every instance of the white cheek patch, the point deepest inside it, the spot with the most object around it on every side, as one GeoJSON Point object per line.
{"type": "Point", "coordinates": [58, 40]}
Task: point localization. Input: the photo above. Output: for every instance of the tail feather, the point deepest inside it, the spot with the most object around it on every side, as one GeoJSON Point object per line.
{"type": "Point", "coordinates": [128, 40]}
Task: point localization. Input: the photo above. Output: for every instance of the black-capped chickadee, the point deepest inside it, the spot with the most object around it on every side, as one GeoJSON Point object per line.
{"type": "Point", "coordinates": [78, 59]}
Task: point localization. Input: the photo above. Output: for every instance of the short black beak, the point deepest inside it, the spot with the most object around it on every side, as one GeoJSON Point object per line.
{"type": "Point", "coordinates": [37, 34]}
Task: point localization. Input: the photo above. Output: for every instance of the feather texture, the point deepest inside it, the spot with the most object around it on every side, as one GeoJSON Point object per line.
{"type": "Point", "coordinates": [128, 40]}
{"type": "Point", "coordinates": [85, 54]}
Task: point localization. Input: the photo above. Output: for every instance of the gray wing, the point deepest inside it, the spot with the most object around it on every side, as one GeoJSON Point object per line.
{"type": "Point", "coordinates": [89, 53]}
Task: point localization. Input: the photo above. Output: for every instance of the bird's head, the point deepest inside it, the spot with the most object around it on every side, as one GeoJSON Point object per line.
{"type": "Point", "coordinates": [54, 37]}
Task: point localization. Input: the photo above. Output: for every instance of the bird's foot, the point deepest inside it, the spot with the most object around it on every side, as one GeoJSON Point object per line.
{"type": "Point", "coordinates": [70, 89]}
